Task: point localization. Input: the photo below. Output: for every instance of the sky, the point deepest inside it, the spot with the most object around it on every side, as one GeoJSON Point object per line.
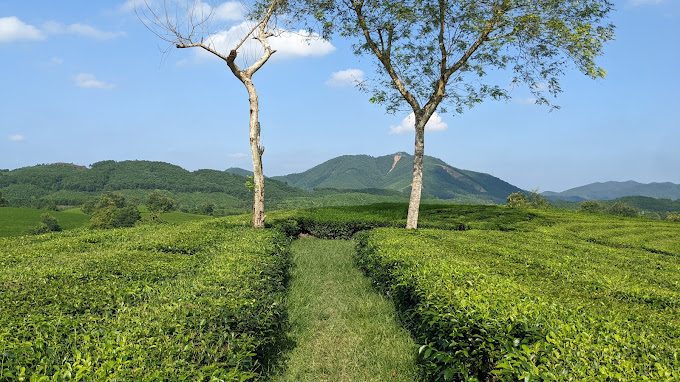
{"type": "Point", "coordinates": [84, 81]}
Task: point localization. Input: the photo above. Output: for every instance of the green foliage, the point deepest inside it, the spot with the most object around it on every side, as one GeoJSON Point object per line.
{"type": "Point", "coordinates": [622, 209]}
{"type": "Point", "coordinates": [3, 201]}
{"type": "Point", "coordinates": [423, 42]}
{"type": "Point", "coordinates": [50, 222]}
{"type": "Point", "coordinates": [516, 199]}
{"type": "Point", "coordinates": [158, 302]}
{"type": "Point", "coordinates": [20, 221]}
{"type": "Point", "coordinates": [536, 200]}
{"type": "Point", "coordinates": [673, 217]}
{"type": "Point", "coordinates": [491, 304]}
{"type": "Point", "coordinates": [591, 206]}
{"type": "Point", "coordinates": [158, 204]}
{"type": "Point", "coordinates": [207, 208]}
{"type": "Point", "coordinates": [112, 211]}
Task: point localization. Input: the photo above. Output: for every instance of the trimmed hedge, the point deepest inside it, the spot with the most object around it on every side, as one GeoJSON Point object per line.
{"type": "Point", "coordinates": [160, 302]}
{"type": "Point", "coordinates": [490, 305]}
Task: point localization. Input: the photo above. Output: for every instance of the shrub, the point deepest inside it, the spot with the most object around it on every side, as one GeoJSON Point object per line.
{"type": "Point", "coordinates": [158, 204]}
{"type": "Point", "coordinates": [591, 206]}
{"type": "Point", "coordinates": [3, 201]}
{"type": "Point", "coordinates": [537, 200]}
{"type": "Point", "coordinates": [48, 224]}
{"type": "Point", "coordinates": [622, 209]}
{"type": "Point", "coordinates": [112, 211]}
{"type": "Point", "coordinates": [673, 217]}
{"type": "Point", "coordinates": [517, 199]}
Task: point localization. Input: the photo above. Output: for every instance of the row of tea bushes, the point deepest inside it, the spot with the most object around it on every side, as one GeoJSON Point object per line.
{"type": "Point", "coordinates": [493, 305]}
{"type": "Point", "coordinates": [189, 302]}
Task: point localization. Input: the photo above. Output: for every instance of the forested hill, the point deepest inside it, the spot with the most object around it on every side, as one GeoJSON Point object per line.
{"type": "Point", "coordinates": [394, 172]}
{"type": "Point", "coordinates": [72, 184]}
{"type": "Point", "coordinates": [614, 190]}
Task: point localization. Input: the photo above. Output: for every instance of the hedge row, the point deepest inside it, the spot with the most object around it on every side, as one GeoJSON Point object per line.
{"type": "Point", "coordinates": [491, 305]}
{"type": "Point", "coordinates": [188, 302]}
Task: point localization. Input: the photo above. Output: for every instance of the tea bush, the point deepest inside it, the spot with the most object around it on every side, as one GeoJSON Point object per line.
{"type": "Point", "coordinates": [535, 305]}
{"type": "Point", "coordinates": [193, 301]}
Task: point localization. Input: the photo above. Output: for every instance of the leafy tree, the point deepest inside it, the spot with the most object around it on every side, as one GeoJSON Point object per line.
{"type": "Point", "coordinates": [591, 206]}
{"type": "Point", "coordinates": [184, 24]}
{"type": "Point", "coordinates": [48, 223]}
{"type": "Point", "coordinates": [622, 209]}
{"type": "Point", "coordinates": [208, 208]}
{"type": "Point", "coordinates": [517, 199]}
{"type": "Point", "coordinates": [3, 201]}
{"type": "Point", "coordinates": [536, 200]}
{"type": "Point", "coordinates": [673, 217]}
{"type": "Point", "coordinates": [89, 206]}
{"type": "Point", "coordinates": [112, 211]}
{"type": "Point", "coordinates": [158, 204]}
{"type": "Point", "coordinates": [437, 53]}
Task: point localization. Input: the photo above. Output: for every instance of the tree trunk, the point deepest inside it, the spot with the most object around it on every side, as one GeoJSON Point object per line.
{"type": "Point", "coordinates": [417, 185]}
{"type": "Point", "coordinates": [256, 152]}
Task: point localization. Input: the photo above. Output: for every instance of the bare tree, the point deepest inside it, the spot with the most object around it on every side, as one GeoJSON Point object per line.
{"type": "Point", "coordinates": [187, 24]}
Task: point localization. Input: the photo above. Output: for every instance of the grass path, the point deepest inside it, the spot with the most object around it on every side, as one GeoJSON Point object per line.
{"type": "Point", "coordinates": [342, 329]}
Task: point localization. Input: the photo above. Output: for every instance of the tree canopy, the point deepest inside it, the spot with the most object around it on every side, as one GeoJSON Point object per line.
{"type": "Point", "coordinates": [434, 54]}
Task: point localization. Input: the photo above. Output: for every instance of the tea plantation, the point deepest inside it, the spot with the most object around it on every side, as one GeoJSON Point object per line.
{"type": "Point", "coordinates": [196, 301]}
{"type": "Point", "coordinates": [487, 292]}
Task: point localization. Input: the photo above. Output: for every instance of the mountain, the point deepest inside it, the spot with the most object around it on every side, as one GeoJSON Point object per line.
{"type": "Point", "coordinates": [69, 184]}
{"type": "Point", "coordinates": [614, 190]}
{"type": "Point", "coordinates": [239, 171]}
{"type": "Point", "coordinates": [394, 172]}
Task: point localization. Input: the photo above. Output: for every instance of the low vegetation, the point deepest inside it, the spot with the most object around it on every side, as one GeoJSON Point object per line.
{"type": "Point", "coordinates": [196, 301]}
{"type": "Point", "coordinates": [487, 292]}
{"type": "Point", "coordinates": [591, 299]}
{"type": "Point", "coordinates": [341, 329]}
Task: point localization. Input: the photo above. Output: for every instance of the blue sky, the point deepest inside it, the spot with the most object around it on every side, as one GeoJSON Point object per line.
{"type": "Point", "coordinates": [85, 81]}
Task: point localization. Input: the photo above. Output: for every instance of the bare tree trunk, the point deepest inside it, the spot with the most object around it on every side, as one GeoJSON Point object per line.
{"type": "Point", "coordinates": [417, 185]}
{"type": "Point", "coordinates": [256, 152]}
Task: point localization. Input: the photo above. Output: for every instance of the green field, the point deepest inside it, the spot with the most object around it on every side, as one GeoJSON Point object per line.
{"type": "Point", "coordinates": [486, 293]}
{"type": "Point", "coordinates": [19, 221]}
{"type": "Point", "coordinates": [197, 301]}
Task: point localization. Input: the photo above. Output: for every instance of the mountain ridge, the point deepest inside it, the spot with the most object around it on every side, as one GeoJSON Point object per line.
{"type": "Point", "coordinates": [613, 190]}
{"type": "Point", "coordinates": [395, 171]}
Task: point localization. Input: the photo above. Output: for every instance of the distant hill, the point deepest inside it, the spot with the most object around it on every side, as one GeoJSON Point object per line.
{"type": "Point", "coordinates": [394, 172]}
{"type": "Point", "coordinates": [614, 190]}
{"type": "Point", "coordinates": [68, 184]}
{"type": "Point", "coordinates": [239, 171]}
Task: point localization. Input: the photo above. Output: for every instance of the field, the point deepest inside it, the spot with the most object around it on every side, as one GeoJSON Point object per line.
{"type": "Point", "coordinates": [196, 301]}
{"type": "Point", "coordinates": [486, 292]}
{"type": "Point", "coordinates": [19, 221]}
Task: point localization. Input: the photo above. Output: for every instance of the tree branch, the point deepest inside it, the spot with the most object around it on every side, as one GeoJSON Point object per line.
{"type": "Point", "coordinates": [384, 57]}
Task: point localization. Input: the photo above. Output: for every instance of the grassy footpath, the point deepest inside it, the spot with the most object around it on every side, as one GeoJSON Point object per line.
{"type": "Point", "coordinates": [342, 330]}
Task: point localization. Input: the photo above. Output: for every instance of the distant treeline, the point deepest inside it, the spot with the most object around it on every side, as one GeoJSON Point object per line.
{"type": "Point", "coordinates": [52, 186]}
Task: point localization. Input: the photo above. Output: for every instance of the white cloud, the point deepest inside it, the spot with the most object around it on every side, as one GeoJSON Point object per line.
{"type": "Point", "coordinates": [349, 77]}
{"type": "Point", "coordinates": [237, 155]}
{"type": "Point", "coordinates": [301, 44]}
{"type": "Point", "coordinates": [408, 124]}
{"type": "Point", "coordinates": [12, 29]}
{"type": "Point", "coordinates": [53, 27]}
{"type": "Point", "coordinates": [230, 11]}
{"type": "Point", "coordinates": [286, 44]}
{"type": "Point", "coordinates": [17, 138]}
{"type": "Point", "coordinates": [131, 5]}
{"type": "Point", "coordinates": [88, 81]}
